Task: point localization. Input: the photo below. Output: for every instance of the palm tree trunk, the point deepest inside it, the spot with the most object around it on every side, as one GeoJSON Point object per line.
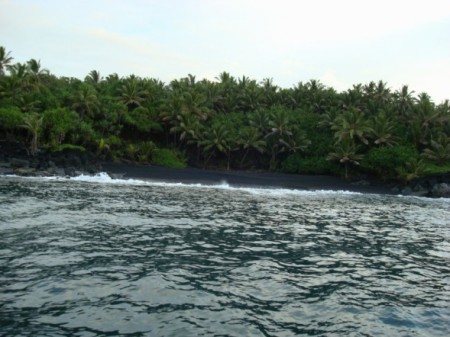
{"type": "Point", "coordinates": [244, 157]}
{"type": "Point", "coordinates": [207, 160]}
{"type": "Point", "coordinates": [34, 144]}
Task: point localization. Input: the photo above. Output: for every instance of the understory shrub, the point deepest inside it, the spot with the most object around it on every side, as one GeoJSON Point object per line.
{"type": "Point", "coordinates": [295, 163]}
{"type": "Point", "coordinates": [169, 158]}
{"type": "Point", "coordinates": [62, 147]}
{"type": "Point", "coordinates": [387, 161]}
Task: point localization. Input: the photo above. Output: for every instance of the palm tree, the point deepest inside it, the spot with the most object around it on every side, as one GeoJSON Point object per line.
{"type": "Point", "coordinates": [34, 67]}
{"type": "Point", "coordinates": [5, 60]}
{"type": "Point", "coordinates": [260, 120]}
{"type": "Point", "coordinates": [352, 124]}
{"type": "Point", "coordinates": [250, 139]}
{"type": "Point", "coordinates": [131, 93]}
{"type": "Point", "coordinates": [404, 101]}
{"type": "Point", "coordinates": [382, 93]}
{"type": "Point", "coordinates": [249, 97]}
{"type": "Point", "coordinates": [354, 97]}
{"type": "Point", "coordinates": [412, 169]}
{"type": "Point", "coordinates": [383, 129]}
{"type": "Point", "coordinates": [227, 99]}
{"type": "Point", "coordinates": [170, 114]}
{"type": "Point", "coordinates": [346, 152]}
{"type": "Point", "coordinates": [187, 127]}
{"type": "Point", "coordinates": [369, 89]}
{"type": "Point", "coordinates": [280, 124]}
{"type": "Point", "coordinates": [328, 117]}
{"type": "Point", "coordinates": [439, 150]}
{"type": "Point", "coordinates": [20, 76]}
{"type": "Point", "coordinates": [217, 138]}
{"type": "Point", "coordinates": [27, 102]}
{"type": "Point", "coordinates": [37, 73]}
{"type": "Point", "coordinates": [33, 123]}
{"type": "Point", "coordinates": [269, 92]}
{"type": "Point", "coordinates": [195, 103]}
{"type": "Point", "coordinates": [424, 118]}
{"type": "Point", "coordinates": [7, 87]}
{"type": "Point", "coordinates": [210, 90]}
{"type": "Point", "coordinates": [281, 136]}
{"type": "Point", "coordinates": [93, 78]}
{"type": "Point", "coordinates": [85, 101]}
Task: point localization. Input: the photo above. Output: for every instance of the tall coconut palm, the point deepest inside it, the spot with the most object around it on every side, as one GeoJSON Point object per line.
{"type": "Point", "coordinates": [250, 139]}
{"type": "Point", "coordinates": [7, 86]}
{"type": "Point", "coordinates": [425, 117]}
{"type": "Point", "coordinates": [211, 92]}
{"type": "Point", "coordinates": [5, 60]}
{"type": "Point", "coordinates": [249, 97]}
{"type": "Point", "coordinates": [227, 99]}
{"type": "Point", "coordinates": [170, 114]}
{"type": "Point", "coordinates": [382, 92]}
{"type": "Point", "coordinates": [217, 138]}
{"type": "Point", "coordinates": [195, 103]}
{"type": "Point", "coordinates": [33, 123]}
{"type": "Point", "coordinates": [35, 68]}
{"type": "Point", "coordinates": [187, 127]}
{"type": "Point", "coordinates": [346, 153]}
{"type": "Point", "coordinates": [280, 124]}
{"type": "Point", "coordinates": [85, 101]}
{"type": "Point", "coordinates": [439, 150]}
{"type": "Point", "coordinates": [37, 73]}
{"type": "Point", "coordinates": [269, 92]}
{"type": "Point", "coordinates": [412, 169]}
{"type": "Point", "coordinates": [260, 120]}
{"type": "Point", "coordinates": [352, 124]}
{"type": "Point", "coordinates": [20, 76]}
{"type": "Point", "coordinates": [383, 130]}
{"type": "Point", "coordinates": [354, 97]}
{"type": "Point", "coordinates": [132, 94]}
{"type": "Point", "coordinates": [282, 136]}
{"type": "Point", "coordinates": [328, 118]}
{"type": "Point", "coordinates": [94, 78]}
{"type": "Point", "coordinates": [404, 102]}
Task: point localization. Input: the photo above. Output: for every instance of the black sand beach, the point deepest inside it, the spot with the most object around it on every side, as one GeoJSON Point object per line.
{"type": "Point", "coordinates": [242, 178]}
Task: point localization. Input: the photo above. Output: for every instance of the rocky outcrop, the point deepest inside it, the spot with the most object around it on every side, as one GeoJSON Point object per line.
{"type": "Point", "coordinates": [436, 186]}
{"type": "Point", "coordinates": [14, 159]}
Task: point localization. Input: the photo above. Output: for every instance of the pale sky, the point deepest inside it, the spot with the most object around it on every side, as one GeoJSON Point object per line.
{"type": "Point", "coordinates": [339, 42]}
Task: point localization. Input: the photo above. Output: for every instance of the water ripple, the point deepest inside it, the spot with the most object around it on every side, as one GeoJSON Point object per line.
{"type": "Point", "coordinates": [155, 260]}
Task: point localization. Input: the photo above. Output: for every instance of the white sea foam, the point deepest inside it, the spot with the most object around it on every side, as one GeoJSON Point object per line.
{"type": "Point", "coordinates": [104, 178]}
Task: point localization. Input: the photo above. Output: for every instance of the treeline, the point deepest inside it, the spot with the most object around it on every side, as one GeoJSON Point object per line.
{"type": "Point", "coordinates": [232, 122]}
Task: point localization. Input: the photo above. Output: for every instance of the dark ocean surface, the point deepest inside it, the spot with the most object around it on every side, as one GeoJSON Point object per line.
{"type": "Point", "coordinates": [92, 256]}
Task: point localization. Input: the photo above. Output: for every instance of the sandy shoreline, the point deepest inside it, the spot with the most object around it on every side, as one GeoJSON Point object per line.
{"type": "Point", "coordinates": [241, 178]}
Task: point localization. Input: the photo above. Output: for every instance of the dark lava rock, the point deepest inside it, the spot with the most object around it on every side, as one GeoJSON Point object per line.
{"type": "Point", "coordinates": [441, 190]}
{"type": "Point", "coordinates": [19, 163]}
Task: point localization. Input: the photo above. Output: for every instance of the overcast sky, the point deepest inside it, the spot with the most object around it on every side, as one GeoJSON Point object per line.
{"type": "Point", "coordinates": [339, 42]}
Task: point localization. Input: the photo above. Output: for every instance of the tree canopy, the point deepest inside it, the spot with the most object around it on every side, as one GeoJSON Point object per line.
{"type": "Point", "coordinates": [230, 122]}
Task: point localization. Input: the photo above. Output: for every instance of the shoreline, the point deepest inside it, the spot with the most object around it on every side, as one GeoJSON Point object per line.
{"type": "Point", "coordinates": [70, 163]}
{"type": "Point", "coordinates": [191, 175]}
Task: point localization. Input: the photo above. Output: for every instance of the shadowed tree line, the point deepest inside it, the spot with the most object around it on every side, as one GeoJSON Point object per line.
{"type": "Point", "coordinates": [231, 122]}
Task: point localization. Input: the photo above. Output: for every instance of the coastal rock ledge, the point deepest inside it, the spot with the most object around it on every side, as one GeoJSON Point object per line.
{"type": "Point", "coordinates": [68, 162]}
{"type": "Point", "coordinates": [435, 186]}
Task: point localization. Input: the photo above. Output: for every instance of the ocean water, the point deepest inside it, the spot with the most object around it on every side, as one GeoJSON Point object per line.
{"type": "Point", "coordinates": [92, 256]}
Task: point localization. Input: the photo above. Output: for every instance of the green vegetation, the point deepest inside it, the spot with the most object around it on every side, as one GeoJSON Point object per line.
{"type": "Point", "coordinates": [169, 158]}
{"type": "Point", "coordinates": [229, 123]}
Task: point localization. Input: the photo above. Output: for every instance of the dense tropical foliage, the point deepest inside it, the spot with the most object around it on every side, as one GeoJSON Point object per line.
{"type": "Point", "coordinates": [232, 122]}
